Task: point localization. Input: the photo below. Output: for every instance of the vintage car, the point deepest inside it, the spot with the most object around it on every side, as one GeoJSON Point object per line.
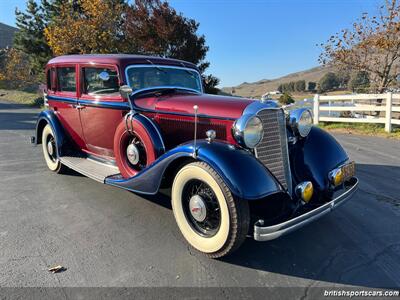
{"type": "Point", "coordinates": [235, 167]}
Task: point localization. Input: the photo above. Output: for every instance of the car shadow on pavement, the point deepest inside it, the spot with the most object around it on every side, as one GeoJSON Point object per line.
{"type": "Point", "coordinates": [11, 119]}
{"type": "Point", "coordinates": [357, 244]}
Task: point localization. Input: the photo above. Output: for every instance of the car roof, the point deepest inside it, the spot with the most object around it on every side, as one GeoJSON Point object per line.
{"type": "Point", "coordinates": [119, 59]}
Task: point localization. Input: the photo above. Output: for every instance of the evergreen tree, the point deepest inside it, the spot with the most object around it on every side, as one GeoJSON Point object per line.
{"type": "Point", "coordinates": [311, 86]}
{"type": "Point", "coordinates": [30, 36]}
{"type": "Point", "coordinates": [300, 86]}
{"type": "Point", "coordinates": [359, 81]}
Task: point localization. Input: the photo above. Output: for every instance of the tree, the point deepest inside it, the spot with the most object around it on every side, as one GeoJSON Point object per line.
{"type": "Point", "coordinates": [149, 27]}
{"type": "Point", "coordinates": [286, 99]}
{"type": "Point", "coordinates": [311, 86]}
{"type": "Point", "coordinates": [359, 81]}
{"type": "Point", "coordinates": [343, 78]}
{"type": "Point", "coordinates": [86, 26]}
{"type": "Point", "coordinates": [328, 82]}
{"type": "Point", "coordinates": [371, 45]}
{"type": "Point", "coordinates": [300, 86]}
{"type": "Point", "coordinates": [29, 39]}
{"type": "Point", "coordinates": [153, 27]}
{"type": "Point", "coordinates": [291, 86]}
{"type": "Point", "coordinates": [15, 69]}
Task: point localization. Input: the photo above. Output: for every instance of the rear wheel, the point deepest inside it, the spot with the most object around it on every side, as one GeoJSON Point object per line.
{"type": "Point", "coordinates": [209, 217]}
{"type": "Point", "coordinates": [50, 151]}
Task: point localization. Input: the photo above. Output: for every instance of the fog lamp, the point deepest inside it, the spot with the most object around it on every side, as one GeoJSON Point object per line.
{"type": "Point", "coordinates": [336, 176]}
{"type": "Point", "coordinates": [305, 191]}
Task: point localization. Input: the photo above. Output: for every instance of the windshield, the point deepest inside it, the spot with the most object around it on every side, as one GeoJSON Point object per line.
{"type": "Point", "coordinates": [143, 77]}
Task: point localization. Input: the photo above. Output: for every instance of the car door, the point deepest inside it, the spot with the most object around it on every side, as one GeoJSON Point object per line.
{"type": "Point", "coordinates": [102, 107]}
{"type": "Point", "coordinates": [62, 97]}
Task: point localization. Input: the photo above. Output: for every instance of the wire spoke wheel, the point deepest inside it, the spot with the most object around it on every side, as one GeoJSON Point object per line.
{"type": "Point", "coordinates": [201, 207]}
{"type": "Point", "coordinates": [211, 220]}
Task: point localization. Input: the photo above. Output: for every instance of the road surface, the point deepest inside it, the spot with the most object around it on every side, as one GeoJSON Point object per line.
{"type": "Point", "coordinates": [109, 237]}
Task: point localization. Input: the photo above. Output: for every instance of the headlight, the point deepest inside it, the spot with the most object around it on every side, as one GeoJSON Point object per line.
{"type": "Point", "coordinates": [248, 131]}
{"type": "Point", "coordinates": [301, 120]}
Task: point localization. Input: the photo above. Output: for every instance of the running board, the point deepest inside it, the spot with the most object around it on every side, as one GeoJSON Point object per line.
{"type": "Point", "coordinates": [89, 167]}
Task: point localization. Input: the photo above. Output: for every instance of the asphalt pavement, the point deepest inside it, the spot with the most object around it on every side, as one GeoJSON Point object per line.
{"type": "Point", "coordinates": [108, 237]}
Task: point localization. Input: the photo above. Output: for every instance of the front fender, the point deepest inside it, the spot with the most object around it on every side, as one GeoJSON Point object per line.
{"type": "Point", "coordinates": [49, 117]}
{"type": "Point", "coordinates": [244, 175]}
{"type": "Point", "coordinates": [315, 156]}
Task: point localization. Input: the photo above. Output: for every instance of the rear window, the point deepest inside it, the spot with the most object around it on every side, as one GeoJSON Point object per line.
{"type": "Point", "coordinates": [66, 79]}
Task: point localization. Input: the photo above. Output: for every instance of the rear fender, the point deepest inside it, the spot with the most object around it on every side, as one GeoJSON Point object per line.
{"type": "Point", "coordinates": [244, 175]}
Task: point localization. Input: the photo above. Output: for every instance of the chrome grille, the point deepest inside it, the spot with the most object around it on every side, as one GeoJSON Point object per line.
{"type": "Point", "coordinates": [272, 151]}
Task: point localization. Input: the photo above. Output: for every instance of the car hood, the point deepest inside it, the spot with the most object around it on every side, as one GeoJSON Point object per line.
{"type": "Point", "coordinates": [210, 105]}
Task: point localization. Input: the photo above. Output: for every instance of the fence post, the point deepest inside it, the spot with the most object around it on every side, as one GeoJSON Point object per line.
{"type": "Point", "coordinates": [316, 109]}
{"type": "Point", "coordinates": [388, 112]}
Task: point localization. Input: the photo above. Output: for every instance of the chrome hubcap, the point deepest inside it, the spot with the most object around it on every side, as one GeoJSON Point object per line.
{"type": "Point", "coordinates": [197, 208]}
{"type": "Point", "coordinates": [50, 148]}
{"type": "Point", "coordinates": [132, 152]}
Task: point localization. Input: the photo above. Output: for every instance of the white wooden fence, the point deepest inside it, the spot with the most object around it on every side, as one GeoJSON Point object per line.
{"type": "Point", "coordinates": [390, 103]}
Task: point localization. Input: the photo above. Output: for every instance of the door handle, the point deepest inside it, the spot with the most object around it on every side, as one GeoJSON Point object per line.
{"type": "Point", "coordinates": [79, 106]}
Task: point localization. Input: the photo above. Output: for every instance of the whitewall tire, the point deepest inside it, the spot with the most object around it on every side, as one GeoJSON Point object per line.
{"type": "Point", "coordinates": [209, 217]}
{"type": "Point", "coordinates": [50, 151]}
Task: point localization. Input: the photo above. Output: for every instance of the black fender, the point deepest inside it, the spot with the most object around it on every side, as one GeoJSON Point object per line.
{"type": "Point", "coordinates": [245, 176]}
{"type": "Point", "coordinates": [49, 117]}
{"type": "Point", "coordinates": [315, 156]}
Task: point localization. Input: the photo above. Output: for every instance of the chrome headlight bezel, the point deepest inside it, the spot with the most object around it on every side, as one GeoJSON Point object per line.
{"type": "Point", "coordinates": [301, 121]}
{"type": "Point", "coordinates": [242, 127]}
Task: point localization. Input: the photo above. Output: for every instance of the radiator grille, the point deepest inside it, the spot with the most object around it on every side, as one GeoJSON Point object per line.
{"type": "Point", "coordinates": [272, 151]}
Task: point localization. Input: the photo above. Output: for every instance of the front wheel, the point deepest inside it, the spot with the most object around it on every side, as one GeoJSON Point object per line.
{"type": "Point", "coordinates": [209, 217]}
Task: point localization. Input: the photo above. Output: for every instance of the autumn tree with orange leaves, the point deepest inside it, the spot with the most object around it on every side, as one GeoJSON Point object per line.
{"type": "Point", "coordinates": [372, 45]}
{"type": "Point", "coordinates": [148, 27]}
{"type": "Point", "coordinates": [86, 26]}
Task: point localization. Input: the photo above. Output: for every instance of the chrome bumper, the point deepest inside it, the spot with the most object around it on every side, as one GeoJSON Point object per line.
{"type": "Point", "coordinates": [266, 233]}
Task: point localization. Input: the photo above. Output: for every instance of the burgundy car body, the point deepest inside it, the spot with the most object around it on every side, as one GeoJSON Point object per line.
{"type": "Point", "coordinates": [173, 132]}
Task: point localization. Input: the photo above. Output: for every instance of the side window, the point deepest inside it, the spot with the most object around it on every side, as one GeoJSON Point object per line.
{"type": "Point", "coordinates": [48, 77]}
{"type": "Point", "coordinates": [66, 79]}
{"type": "Point", "coordinates": [100, 81]}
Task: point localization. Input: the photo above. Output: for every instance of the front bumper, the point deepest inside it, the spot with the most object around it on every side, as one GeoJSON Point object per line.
{"type": "Point", "coordinates": [266, 233]}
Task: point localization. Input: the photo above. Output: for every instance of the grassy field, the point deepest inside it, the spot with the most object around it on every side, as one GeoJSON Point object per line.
{"type": "Point", "coordinates": [363, 129]}
{"type": "Point", "coordinates": [22, 97]}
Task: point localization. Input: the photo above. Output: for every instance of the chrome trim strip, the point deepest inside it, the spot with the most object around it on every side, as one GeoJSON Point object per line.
{"type": "Point", "coordinates": [156, 129]}
{"type": "Point", "coordinates": [62, 99]}
{"type": "Point", "coordinates": [105, 104]}
{"type": "Point", "coordinates": [266, 233]}
{"type": "Point", "coordinates": [255, 107]}
{"type": "Point", "coordinates": [151, 65]}
{"type": "Point", "coordinates": [139, 109]}
{"type": "Point", "coordinates": [125, 106]}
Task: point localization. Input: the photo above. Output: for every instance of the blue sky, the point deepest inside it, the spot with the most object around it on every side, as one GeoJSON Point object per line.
{"type": "Point", "coordinates": [258, 39]}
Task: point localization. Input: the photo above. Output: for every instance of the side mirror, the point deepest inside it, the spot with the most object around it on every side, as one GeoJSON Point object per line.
{"type": "Point", "coordinates": [125, 91]}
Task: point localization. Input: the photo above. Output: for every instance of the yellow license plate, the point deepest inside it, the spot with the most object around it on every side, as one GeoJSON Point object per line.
{"type": "Point", "coordinates": [349, 170]}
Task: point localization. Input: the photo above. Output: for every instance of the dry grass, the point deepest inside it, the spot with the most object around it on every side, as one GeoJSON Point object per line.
{"type": "Point", "coordinates": [362, 129]}
{"type": "Point", "coordinates": [21, 97]}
